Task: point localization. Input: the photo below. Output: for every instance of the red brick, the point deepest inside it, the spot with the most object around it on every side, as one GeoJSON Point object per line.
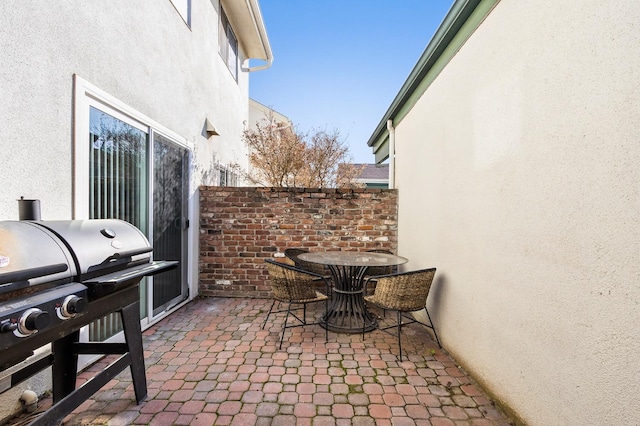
{"type": "Point", "coordinates": [162, 419]}
{"type": "Point", "coordinates": [342, 411]}
{"type": "Point", "coordinates": [378, 411]}
{"type": "Point", "coordinates": [154, 406]}
{"type": "Point", "coordinates": [304, 410]}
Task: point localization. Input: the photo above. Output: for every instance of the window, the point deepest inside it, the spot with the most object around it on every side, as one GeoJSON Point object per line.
{"type": "Point", "coordinates": [228, 44]}
{"type": "Point", "coordinates": [118, 170]}
{"type": "Point", "coordinates": [226, 177]}
{"type": "Point", "coordinates": [184, 9]}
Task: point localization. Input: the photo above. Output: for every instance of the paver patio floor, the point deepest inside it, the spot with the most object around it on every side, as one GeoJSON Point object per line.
{"type": "Point", "coordinates": [210, 363]}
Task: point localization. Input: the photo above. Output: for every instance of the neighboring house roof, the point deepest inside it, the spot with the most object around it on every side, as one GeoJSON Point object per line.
{"type": "Point", "coordinates": [461, 21]}
{"type": "Point", "coordinates": [373, 171]}
{"type": "Point", "coordinates": [246, 19]}
{"type": "Point", "coordinates": [259, 112]}
{"type": "Point", "coordinates": [373, 175]}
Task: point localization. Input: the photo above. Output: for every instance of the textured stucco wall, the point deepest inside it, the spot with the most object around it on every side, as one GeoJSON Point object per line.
{"type": "Point", "coordinates": [140, 52]}
{"type": "Point", "coordinates": [518, 179]}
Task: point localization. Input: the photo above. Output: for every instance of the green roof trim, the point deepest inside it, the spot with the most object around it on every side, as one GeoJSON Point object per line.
{"type": "Point", "coordinates": [461, 21]}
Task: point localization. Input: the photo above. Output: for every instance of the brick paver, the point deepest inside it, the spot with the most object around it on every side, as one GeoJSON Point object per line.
{"type": "Point", "coordinates": [210, 363]}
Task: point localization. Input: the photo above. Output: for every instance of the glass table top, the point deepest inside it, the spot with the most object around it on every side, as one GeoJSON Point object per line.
{"type": "Point", "coordinates": [353, 258]}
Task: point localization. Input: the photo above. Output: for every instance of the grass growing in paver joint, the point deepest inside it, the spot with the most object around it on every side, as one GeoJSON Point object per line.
{"type": "Point", "coordinates": [355, 389]}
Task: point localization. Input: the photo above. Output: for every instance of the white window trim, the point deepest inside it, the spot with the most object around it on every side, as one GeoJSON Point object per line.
{"type": "Point", "coordinates": [87, 95]}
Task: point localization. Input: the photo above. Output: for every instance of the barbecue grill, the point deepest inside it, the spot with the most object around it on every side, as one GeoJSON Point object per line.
{"type": "Point", "coordinates": [58, 276]}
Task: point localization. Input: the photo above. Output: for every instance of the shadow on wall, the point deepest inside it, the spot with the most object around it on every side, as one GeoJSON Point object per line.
{"type": "Point", "coordinates": [207, 175]}
{"type": "Point", "coordinates": [433, 302]}
{"type": "Point", "coordinates": [435, 294]}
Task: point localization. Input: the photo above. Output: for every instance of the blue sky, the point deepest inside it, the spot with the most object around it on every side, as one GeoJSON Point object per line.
{"type": "Point", "coordinates": [339, 63]}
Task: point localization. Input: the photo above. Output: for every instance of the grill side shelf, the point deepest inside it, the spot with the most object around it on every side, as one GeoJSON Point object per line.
{"type": "Point", "coordinates": [105, 284]}
{"type": "Point", "coordinates": [127, 275]}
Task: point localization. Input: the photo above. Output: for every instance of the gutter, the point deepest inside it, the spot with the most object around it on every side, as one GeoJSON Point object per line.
{"type": "Point", "coordinates": [392, 154]}
{"type": "Point", "coordinates": [457, 16]}
{"type": "Point", "coordinates": [256, 16]}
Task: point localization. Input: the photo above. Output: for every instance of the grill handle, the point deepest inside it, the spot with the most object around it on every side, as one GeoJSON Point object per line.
{"type": "Point", "coordinates": [129, 253]}
{"type": "Point", "coordinates": [27, 274]}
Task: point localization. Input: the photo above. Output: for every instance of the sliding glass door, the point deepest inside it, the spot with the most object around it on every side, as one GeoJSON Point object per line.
{"type": "Point", "coordinates": [140, 176]}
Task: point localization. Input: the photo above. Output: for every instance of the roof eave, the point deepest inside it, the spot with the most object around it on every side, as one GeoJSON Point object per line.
{"type": "Point", "coordinates": [246, 18]}
{"type": "Point", "coordinates": [460, 11]}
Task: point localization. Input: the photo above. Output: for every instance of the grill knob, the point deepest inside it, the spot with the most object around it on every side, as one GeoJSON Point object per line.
{"type": "Point", "coordinates": [8, 326]}
{"type": "Point", "coordinates": [32, 320]}
{"type": "Point", "coordinates": [71, 306]}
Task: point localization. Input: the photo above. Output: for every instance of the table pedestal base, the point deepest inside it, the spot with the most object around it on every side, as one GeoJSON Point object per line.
{"type": "Point", "coordinates": [347, 312]}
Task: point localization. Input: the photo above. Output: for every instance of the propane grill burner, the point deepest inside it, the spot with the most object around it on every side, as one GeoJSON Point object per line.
{"type": "Point", "coordinates": [58, 276]}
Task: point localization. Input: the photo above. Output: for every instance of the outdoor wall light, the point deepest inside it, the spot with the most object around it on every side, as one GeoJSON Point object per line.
{"type": "Point", "coordinates": [210, 129]}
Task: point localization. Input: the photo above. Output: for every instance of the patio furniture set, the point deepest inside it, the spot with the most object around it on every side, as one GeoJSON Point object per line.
{"type": "Point", "coordinates": [348, 283]}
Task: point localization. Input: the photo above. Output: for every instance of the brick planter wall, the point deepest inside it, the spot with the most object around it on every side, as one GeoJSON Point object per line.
{"type": "Point", "coordinates": [240, 227]}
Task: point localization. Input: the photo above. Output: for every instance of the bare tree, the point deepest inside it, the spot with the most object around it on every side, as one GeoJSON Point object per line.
{"type": "Point", "coordinates": [281, 156]}
{"type": "Point", "coordinates": [276, 154]}
{"type": "Point", "coordinates": [327, 160]}
{"type": "Point", "coordinates": [347, 173]}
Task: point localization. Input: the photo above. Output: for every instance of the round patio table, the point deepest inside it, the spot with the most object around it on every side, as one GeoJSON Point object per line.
{"type": "Point", "coordinates": [346, 312]}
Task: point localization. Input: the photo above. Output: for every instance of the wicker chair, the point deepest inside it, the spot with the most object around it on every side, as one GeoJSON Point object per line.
{"type": "Point", "coordinates": [380, 270]}
{"type": "Point", "coordinates": [293, 253]}
{"type": "Point", "coordinates": [293, 286]}
{"type": "Point", "coordinates": [402, 292]}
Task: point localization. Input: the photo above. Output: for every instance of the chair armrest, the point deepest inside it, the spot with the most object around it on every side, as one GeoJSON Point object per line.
{"type": "Point", "coordinates": [368, 281]}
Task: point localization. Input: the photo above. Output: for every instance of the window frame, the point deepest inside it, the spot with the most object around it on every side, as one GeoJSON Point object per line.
{"type": "Point", "coordinates": [87, 95]}
{"type": "Point", "coordinates": [228, 44]}
{"type": "Point", "coordinates": [226, 176]}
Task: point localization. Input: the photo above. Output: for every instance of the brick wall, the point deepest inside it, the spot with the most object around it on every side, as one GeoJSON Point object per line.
{"type": "Point", "coordinates": [240, 227]}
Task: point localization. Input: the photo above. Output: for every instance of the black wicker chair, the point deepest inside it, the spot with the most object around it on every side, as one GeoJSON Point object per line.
{"type": "Point", "coordinates": [293, 253]}
{"type": "Point", "coordinates": [293, 286]}
{"type": "Point", "coordinates": [403, 292]}
{"type": "Point", "coordinates": [380, 270]}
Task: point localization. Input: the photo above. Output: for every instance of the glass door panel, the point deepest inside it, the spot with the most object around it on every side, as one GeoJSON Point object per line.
{"type": "Point", "coordinates": [170, 180]}
{"type": "Point", "coordinates": [118, 188]}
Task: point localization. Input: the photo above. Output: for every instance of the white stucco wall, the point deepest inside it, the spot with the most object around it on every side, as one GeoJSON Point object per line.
{"type": "Point", "coordinates": [518, 179]}
{"type": "Point", "coordinates": [143, 54]}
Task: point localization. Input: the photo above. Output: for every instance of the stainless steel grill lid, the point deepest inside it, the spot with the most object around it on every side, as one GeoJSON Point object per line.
{"type": "Point", "coordinates": [101, 246]}
{"type": "Point", "coordinates": [30, 256]}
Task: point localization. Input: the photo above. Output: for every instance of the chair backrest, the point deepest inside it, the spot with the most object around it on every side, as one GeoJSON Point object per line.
{"type": "Point", "coordinates": [292, 253]}
{"type": "Point", "coordinates": [290, 284]}
{"type": "Point", "coordinates": [286, 261]}
{"type": "Point", "coordinates": [406, 291]}
{"type": "Point", "coordinates": [380, 270]}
